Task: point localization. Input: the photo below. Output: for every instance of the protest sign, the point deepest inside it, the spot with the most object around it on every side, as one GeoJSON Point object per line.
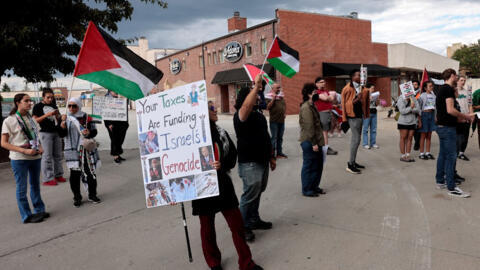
{"type": "Point", "coordinates": [176, 146]}
{"type": "Point", "coordinates": [407, 89]}
{"type": "Point", "coordinates": [109, 108]}
{"type": "Point", "coordinates": [363, 75]}
{"type": "Point", "coordinates": [374, 96]}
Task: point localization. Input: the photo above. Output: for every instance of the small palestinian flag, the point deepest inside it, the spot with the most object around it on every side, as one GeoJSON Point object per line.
{"type": "Point", "coordinates": [105, 61]}
{"type": "Point", "coordinates": [283, 58]}
{"type": "Point", "coordinates": [252, 72]}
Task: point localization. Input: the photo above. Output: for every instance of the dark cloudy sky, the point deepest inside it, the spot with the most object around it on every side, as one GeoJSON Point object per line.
{"type": "Point", "coordinates": [430, 24]}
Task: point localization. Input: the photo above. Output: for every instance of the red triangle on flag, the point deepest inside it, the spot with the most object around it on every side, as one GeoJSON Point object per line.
{"type": "Point", "coordinates": [425, 78]}
{"type": "Point", "coordinates": [252, 71]}
{"type": "Point", "coordinates": [95, 55]}
{"type": "Point", "coordinates": [275, 50]}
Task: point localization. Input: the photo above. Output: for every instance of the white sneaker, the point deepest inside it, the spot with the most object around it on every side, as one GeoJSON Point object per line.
{"type": "Point", "coordinates": [366, 146]}
{"type": "Point", "coordinates": [330, 135]}
{"type": "Point", "coordinates": [441, 186]}
{"type": "Point", "coordinates": [457, 192]}
{"type": "Point", "coordinates": [376, 146]}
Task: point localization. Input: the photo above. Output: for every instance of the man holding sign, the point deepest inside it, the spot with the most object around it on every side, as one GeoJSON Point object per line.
{"type": "Point", "coordinates": [254, 156]}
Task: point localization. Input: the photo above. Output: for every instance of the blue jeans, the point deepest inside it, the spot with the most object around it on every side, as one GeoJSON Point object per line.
{"type": "Point", "coordinates": [21, 170]}
{"type": "Point", "coordinates": [277, 130]}
{"type": "Point", "coordinates": [447, 156]}
{"type": "Point", "coordinates": [312, 168]}
{"type": "Point", "coordinates": [370, 123]}
{"type": "Point", "coordinates": [255, 177]}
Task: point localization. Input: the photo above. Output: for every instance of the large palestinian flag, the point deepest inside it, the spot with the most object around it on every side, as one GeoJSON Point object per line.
{"type": "Point", "coordinates": [283, 58]}
{"type": "Point", "coordinates": [105, 61]}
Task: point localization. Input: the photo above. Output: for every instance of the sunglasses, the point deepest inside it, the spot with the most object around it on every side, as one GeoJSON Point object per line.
{"type": "Point", "coordinates": [72, 106]}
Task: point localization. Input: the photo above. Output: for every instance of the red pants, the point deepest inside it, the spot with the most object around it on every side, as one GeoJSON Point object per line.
{"type": "Point", "coordinates": [209, 241]}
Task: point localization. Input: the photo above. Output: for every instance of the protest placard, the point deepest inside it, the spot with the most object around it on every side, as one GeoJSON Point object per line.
{"type": "Point", "coordinates": [176, 146]}
{"type": "Point", "coordinates": [109, 108]}
{"type": "Point", "coordinates": [363, 75]}
{"type": "Point", "coordinates": [407, 89]}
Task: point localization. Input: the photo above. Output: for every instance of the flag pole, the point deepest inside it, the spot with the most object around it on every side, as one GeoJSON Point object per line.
{"type": "Point", "coordinates": [271, 45]}
{"type": "Point", "coordinates": [70, 91]}
{"type": "Point", "coordinates": [190, 258]}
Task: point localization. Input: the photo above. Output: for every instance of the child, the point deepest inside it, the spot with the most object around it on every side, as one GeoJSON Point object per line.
{"type": "Point", "coordinates": [427, 106]}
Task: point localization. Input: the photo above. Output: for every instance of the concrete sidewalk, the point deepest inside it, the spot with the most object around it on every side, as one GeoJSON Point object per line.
{"type": "Point", "coordinates": [389, 217]}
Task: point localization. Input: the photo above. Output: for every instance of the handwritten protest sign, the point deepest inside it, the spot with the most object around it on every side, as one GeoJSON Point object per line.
{"type": "Point", "coordinates": [109, 108]}
{"type": "Point", "coordinates": [407, 89]}
{"type": "Point", "coordinates": [176, 146]}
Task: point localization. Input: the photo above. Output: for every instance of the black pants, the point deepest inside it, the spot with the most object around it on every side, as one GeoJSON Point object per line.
{"type": "Point", "coordinates": [75, 179]}
{"type": "Point", "coordinates": [117, 136]}
{"type": "Point", "coordinates": [463, 130]}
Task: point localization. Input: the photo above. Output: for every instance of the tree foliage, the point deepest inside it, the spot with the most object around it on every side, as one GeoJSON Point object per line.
{"type": "Point", "coordinates": [469, 57]}
{"type": "Point", "coordinates": [39, 38]}
{"type": "Point", "coordinates": [6, 88]}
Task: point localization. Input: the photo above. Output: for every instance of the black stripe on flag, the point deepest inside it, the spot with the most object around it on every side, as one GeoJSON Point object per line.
{"type": "Point", "coordinates": [284, 47]}
{"type": "Point", "coordinates": [138, 63]}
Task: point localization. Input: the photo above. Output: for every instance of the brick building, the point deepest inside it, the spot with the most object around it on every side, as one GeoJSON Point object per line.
{"type": "Point", "coordinates": [329, 46]}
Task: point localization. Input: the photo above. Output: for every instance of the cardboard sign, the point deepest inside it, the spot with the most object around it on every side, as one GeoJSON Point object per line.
{"type": "Point", "coordinates": [407, 89]}
{"type": "Point", "coordinates": [176, 148]}
{"type": "Point", "coordinates": [109, 108]}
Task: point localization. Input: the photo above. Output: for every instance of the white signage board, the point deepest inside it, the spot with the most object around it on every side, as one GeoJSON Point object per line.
{"type": "Point", "coordinates": [109, 108]}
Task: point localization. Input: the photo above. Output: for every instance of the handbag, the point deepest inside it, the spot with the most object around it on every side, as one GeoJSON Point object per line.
{"type": "Point", "coordinates": [397, 115]}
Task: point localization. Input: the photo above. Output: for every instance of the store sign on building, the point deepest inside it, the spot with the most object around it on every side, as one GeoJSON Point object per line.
{"type": "Point", "coordinates": [175, 66]}
{"type": "Point", "coordinates": [233, 52]}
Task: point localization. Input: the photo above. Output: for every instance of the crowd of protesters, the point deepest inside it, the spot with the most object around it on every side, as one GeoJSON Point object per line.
{"type": "Point", "coordinates": [35, 145]}
{"type": "Point", "coordinates": [36, 142]}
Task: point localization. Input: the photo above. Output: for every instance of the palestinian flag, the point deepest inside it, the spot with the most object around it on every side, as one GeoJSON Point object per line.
{"type": "Point", "coordinates": [105, 61]}
{"type": "Point", "coordinates": [252, 72]}
{"type": "Point", "coordinates": [283, 58]}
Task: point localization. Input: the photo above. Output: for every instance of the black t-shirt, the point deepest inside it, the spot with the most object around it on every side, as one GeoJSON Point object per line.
{"type": "Point", "coordinates": [357, 109]}
{"type": "Point", "coordinates": [253, 141]}
{"type": "Point", "coordinates": [443, 118]}
{"type": "Point", "coordinates": [48, 124]}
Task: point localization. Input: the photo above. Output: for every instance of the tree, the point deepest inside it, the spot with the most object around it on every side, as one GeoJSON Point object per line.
{"type": "Point", "coordinates": [6, 88]}
{"type": "Point", "coordinates": [469, 57]}
{"type": "Point", "coordinates": [40, 38]}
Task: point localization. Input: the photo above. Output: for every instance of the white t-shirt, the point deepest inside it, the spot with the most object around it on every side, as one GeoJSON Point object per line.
{"type": "Point", "coordinates": [16, 136]}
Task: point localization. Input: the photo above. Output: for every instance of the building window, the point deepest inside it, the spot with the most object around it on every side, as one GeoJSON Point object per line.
{"type": "Point", "coordinates": [200, 60]}
{"type": "Point", "coordinates": [184, 65]}
{"type": "Point", "coordinates": [209, 59]}
{"type": "Point", "coordinates": [248, 49]}
{"type": "Point", "coordinates": [215, 59]}
{"type": "Point", "coordinates": [220, 56]}
{"type": "Point", "coordinates": [263, 44]}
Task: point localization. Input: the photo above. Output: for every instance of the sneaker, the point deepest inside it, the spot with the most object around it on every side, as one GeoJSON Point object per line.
{"type": "Point", "coordinates": [375, 146]}
{"type": "Point", "coordinates": [330, 151]}
{"type": "Point", "coordinates": [358, 166]}
{"type": "Point", "coordinates": [282, 156]}
{"type": "Point", "coordinates": [430, 156]}
{"type": "Point", "coordinates": [121, 158]}
{"type": "Point", "coordinates": [352, 169]}
{"type": "Point", "coordinates": [423, 156]}
{"type": "Point", "coordinates": [117, 160]}
{"type": "Point", "coordinates": [77, 203]}
{"type": "Point", "coordinates": [441, 186]}
{"type": "Point", "coordinates": [44, 215]}
{"type": "Point", "coordinates": [60, 179]}
{"type": "Point", "coordinates": [261, 225]}
{"type": "Point", "coordinates": [366, 146]}
{"type": "Point", "coordinates": [330, 135]}
{"type": "Point", "coordinates": [320, 191]}
{"type": "Point", "coordinates": [463, 157]}
{"type": "Point", "coordinates": [94, 199]}
{"type": "Point", "coordinates": [33, 219]}
{"type": "Point", "coordinates": [457, 192]}
{"type": "Point", "coordinates": [52, 182]}
{"type": "Point", "coordinates": [458, 178]}
{"type": "Point", "coordinates": [249, 235]}
{"type": "Point", "coordinates": [339, 135]}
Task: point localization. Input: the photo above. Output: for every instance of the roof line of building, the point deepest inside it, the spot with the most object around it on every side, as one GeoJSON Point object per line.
{"type": "Point", "coordinates": [221, 37]}
{"type": "Point", "coordinates": [316, 13]}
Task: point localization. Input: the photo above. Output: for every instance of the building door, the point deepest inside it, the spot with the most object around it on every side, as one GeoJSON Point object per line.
{"type": "Point", "coordinates": [224, 99]}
